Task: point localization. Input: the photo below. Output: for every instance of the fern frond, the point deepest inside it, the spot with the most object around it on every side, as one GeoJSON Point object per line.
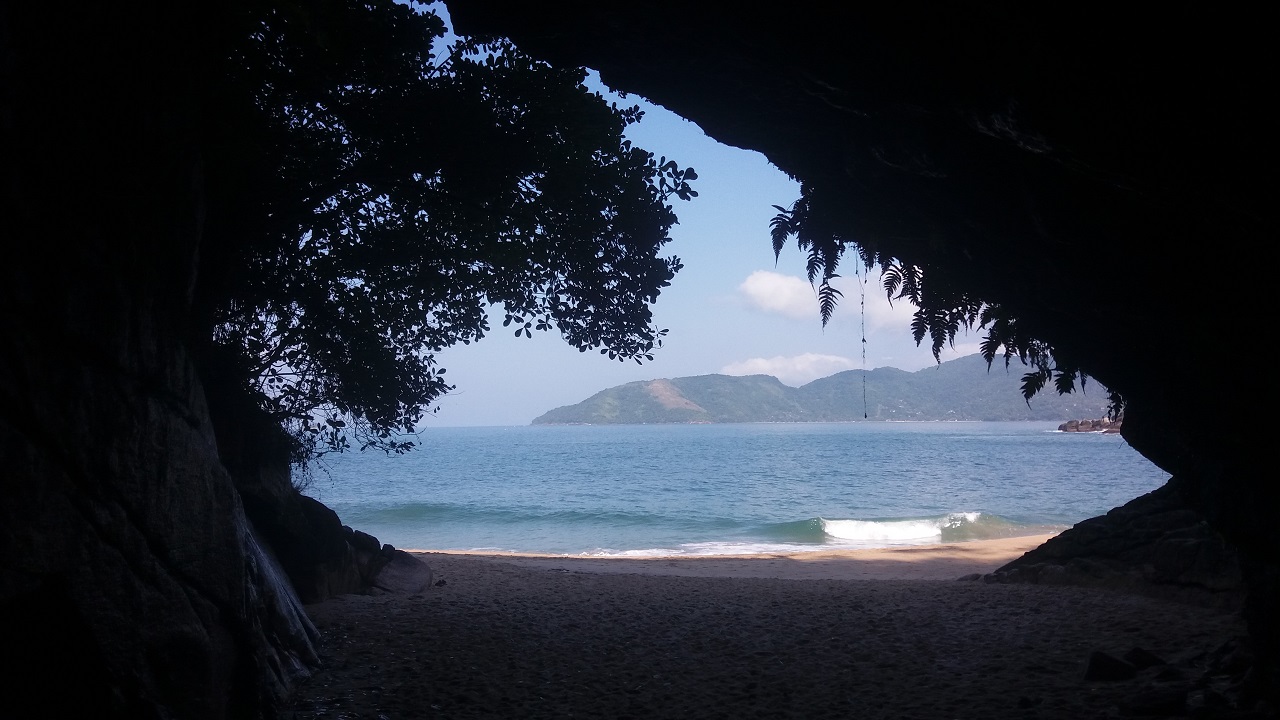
{"type": "Point", "coordinates": [891, 278]}
{"type": "Point", "coordinates": [1065, 382]}
{"type": "Point", "coordinates": [997, 336]}
{"type": "Point", "coordinates": [828, 297]}
{"type": "Point", "coordinates": [912, 283]}
{"type": "Point", "coordinates": [942, 330]}
{"type": "Point", "coordinates": [1032, 383]}
{"type": "Point", "coordinates": [972, 309]}
{"type": "Point", "coordinates": [989, 347]}
{"type": "Point", "coordinates": [781, 227]}
{"type": "Point", "coordinates": [919, 325]}
{"type": "Point", "coordinates": [990, 314]}
{"type": "Point", "coordinates": [814, 264]}
{"type": "Point", "coordinates": [831, 251]}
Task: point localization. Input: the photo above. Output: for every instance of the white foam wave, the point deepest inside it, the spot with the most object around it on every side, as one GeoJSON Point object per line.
{"type": "Point", "coordinates": [840, 535]}
{"type": "Point", "coordinates": [958, 519]}
{"type": "Point", "coordinates": [893, 532]}
{"type": "Point", "coordinates": [882, 533]}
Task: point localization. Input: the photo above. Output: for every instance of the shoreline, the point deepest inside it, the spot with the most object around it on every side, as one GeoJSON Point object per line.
{"type": "Point", "coordinates": [943, 561]}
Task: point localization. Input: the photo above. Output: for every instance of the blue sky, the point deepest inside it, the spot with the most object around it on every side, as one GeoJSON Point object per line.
{"type": "Point", "coordinates": [730, 310]}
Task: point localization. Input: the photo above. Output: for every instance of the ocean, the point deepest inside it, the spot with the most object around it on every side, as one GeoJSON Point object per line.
{"type": "Point", "coordinates": [634, 490]}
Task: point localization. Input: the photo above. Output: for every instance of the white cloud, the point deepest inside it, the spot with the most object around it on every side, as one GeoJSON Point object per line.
{"type": "Point", "coordinates": [782, 294]}
{"type": "Point", "coordinates": [795, 370]}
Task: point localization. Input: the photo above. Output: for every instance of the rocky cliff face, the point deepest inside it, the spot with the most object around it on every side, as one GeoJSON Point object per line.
{"type": "Point", "coordinates": [129, 566]}
{"type": "Point", "coordinates": [129, 563]}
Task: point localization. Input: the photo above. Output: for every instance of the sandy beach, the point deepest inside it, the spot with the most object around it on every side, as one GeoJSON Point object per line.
{"type": "Point", "coordinates": [864, 634]}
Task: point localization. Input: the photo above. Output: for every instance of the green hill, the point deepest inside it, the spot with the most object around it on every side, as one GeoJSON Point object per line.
{"type": "Point", "coordinates": [961, 389]}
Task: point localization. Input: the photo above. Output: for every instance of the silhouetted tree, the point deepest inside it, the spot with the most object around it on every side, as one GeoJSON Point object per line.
{"type": "Point", "coordinates": [369, 200]}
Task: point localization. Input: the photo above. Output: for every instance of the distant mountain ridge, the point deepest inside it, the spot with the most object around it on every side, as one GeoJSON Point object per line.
{"type": "Point", "coordinates": [960, 389]}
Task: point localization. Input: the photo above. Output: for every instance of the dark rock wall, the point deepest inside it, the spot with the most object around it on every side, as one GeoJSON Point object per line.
{"type": "Point", "coordinates": [125, 543]}
{"type": "Point", "coordinates": [129, 567]}
{"type": "Point", "coordinates": [124, 539]}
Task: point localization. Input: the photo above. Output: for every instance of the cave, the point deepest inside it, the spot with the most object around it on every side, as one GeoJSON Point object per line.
{"type": "Point", "coordinates": [1096, 172]}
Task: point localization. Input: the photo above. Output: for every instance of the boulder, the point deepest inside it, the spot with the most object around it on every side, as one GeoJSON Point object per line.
{"type": "Point", "coordinates": [1106, 425]}
{"type": "Point", "coordinates": [1154, 544]}
{"type": "Point", "coordinates": [403, 573]}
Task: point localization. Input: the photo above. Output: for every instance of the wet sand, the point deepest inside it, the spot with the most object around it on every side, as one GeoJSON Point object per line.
{"type": "Point", "coordinates": [864, 634]}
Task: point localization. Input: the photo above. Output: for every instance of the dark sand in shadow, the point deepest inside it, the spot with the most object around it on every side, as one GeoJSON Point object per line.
{"type": "Point", "coordinates": [871, 634]}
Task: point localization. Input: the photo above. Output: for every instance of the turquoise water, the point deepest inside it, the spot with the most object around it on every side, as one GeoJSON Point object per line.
{"type": "Point", "coordinates": [712, 489]}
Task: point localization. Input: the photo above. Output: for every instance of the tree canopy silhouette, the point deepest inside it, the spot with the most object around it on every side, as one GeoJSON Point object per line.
{"type": "Point", "coordinates": [369, 200]}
